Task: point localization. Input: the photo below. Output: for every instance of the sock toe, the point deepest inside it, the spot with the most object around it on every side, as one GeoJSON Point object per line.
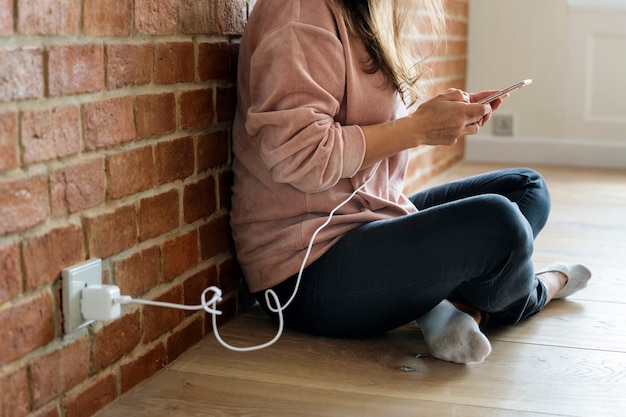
{"type": "Point", "coordinates": [453, 336]}
{"type": "Point", "coordinates": [462, 342]}
{"type": "Point", "coordinates": [577, 277]}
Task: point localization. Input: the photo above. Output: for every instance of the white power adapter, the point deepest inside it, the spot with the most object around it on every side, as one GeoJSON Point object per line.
{"type": "Point", "coordinates": [98, 302]}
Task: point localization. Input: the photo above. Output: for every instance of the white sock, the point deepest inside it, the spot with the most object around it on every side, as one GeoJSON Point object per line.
{"type": "Point", "coordinates": [452, 335]}
{"type": "Point", "coordinates": [577, 277]}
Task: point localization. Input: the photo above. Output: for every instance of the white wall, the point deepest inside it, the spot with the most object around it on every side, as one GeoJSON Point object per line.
{"type": "Point", "coordinates": [575, 52]}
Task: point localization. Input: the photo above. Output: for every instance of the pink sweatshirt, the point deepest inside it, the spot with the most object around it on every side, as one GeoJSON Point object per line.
{"type": "Point", "coordinates": [298, 147]}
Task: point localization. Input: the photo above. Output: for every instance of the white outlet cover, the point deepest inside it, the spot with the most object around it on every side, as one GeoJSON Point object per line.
{"type": "Point", "coordinates": [503, 125]}
{"type": "Point", "coordinates": [75, 279]}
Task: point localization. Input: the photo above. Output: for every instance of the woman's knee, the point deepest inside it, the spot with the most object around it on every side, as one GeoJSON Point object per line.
{"type": "Point", "coordinates": [538, 201]}
{"type": "Point", "coordinates": [538, 183]}
{"type": "Point", "coordinates": [504, 224]}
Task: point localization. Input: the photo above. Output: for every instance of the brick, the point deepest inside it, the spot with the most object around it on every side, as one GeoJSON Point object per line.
{"type": "Point", "coordinates": [197, 17]}
{"type": "Point", "coordinates": [47, 17]}
{"type": "Point", "coordinates": [180, 254]}
{"type": "Point", "coordinates": [10, 272]}
{"type": "Point", "coordinates": [228, 307]}
{"type": "Point", "coordinates": [52, 410]}
{"type": "Point", "coordinates": [26, 326]}
{"type": "Point", "coordinates": [107, 18]}
{"type": "Point", "coordinates": [196, 284]}
{"type": "Point", "coordinates": [225, 183]}
{"type": "Point", "coordinates": [138, 369]}
{"type": "Point", "coordinates": [234, 60]}
{"type": "Point", "coordinates": [125, 331]}
{"type": "Point", "coordinates": [174, 159]}
{"type": "Point", "coordinates": [24, 203]}
{"type": "Point", "coordinates": [98, 117]}
{"type": "Point", "coordinates": [182, 339]}
{"type": "Point", "coordinates": [196, 109]}
{"type": "Point", "coordinates": [158, 215]}
{"type": "Point", "coordinates": [199, 200]}
{"type": "Point", "coordinates": [231, 16]}
{"type": "Point", "coordinates": [450, 68]}
{"type": "Point", "coordinates": [8, 141]}
{"type": "Point", "coordinates": [130, 172]}
{"type": "Point", "coordinates": [50, 134]}
{"type": "Point", "coordinates": [75, 69]}
{"type": "Point", "coordinates": [6, 19]}
{"type": "Point", "coordinates": [21, 73]}
{"type": "Point", "coordinates": [155, 115]}
{"type": "Point", "coordinates": [213, 150]}
{"type": "Point", "coordinates": [215, 238]}
{"type": "Point", "coordinates": [173, 62]}
{"type": "Point", "coordinates": [230, 276]}
{"type": "Point", "coordinates": [139, 273]}
{"type": "Point", "coordinates": [57, 372]}
{"type": "Point", "coordinates": [58, 204]}
{"type": "Point", "coordinates": [226, 102]}
{"type": "Point", "coordinates": [456, 47]}
{"type": "Point", "coordinates": [214, 61]}
{"type": "Point", "coordinates": [128, 64]}
{"type": "Point", "coordinates": [457, 8]}
{"type": "Point", "coordinates": [456, 28]}
{"type": "Point", "coordinates": [78, 186]}
{"type": "Point", "coordinates": [14, 400]}
{"type": "Point", "coordinates": [112, 232]}
{"type": "Point", "coordinates": [45, 256]}
{"type": "Point", "coordinates": [85, 403]}
{"type": "Point", "coordinates": [153, 20]}
{"type": "Point", "coordinates": [158, 320]}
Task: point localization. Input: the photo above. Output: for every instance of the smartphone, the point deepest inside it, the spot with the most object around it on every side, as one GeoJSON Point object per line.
{"type": "Point", "coordinates": [500, 93]}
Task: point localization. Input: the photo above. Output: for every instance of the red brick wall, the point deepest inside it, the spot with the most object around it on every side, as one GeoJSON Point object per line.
{"type": "Point", "coordinates": [114, 143]}
{"type": "Point", "coordinates": [114, 125]}
{"type": "Point", "coordinates": [449, 70]}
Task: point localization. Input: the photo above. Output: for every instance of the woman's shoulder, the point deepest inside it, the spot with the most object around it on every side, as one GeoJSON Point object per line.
{"type": "Point", "coordinates": [272, 15]}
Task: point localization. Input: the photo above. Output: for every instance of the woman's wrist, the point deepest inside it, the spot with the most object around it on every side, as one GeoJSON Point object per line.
{"type": "Point", "coordinates": [406, 130]}
{"type": "Point", "coordinates": [386, 139]}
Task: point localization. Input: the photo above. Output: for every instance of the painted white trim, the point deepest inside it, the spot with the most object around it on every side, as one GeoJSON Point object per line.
{"type": "Point", "coordinates": [555, 151]}
{"type": "Point", "coordinates": [597, 4]}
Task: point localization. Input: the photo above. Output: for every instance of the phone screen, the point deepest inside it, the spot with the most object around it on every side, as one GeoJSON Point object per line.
{"type": "Point", "coordinates": [500, 93]}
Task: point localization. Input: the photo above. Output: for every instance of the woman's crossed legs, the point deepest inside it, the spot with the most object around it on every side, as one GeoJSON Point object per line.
{"type": "Point", "coordinates": [470, 244]}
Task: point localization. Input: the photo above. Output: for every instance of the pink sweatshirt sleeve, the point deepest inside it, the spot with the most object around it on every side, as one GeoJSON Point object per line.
{"type": "Point", "coordinates": [297, 82]}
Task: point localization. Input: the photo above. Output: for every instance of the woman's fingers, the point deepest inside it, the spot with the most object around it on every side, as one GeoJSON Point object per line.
{"type": "Point", "coordinates": [446, 117]}
{"type": "Point", "coordinates": [476, 97]}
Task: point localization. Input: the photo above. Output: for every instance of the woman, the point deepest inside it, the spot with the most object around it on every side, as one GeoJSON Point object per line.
{"type": "Point", "coordinates": [319, 116]}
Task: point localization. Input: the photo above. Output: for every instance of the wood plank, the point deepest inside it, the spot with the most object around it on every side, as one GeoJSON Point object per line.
{"type": "Point", "coordinates": [599, 223]}
{"type": "Point", "coordinates": [594, 253]}
{"type": "Point", "coordinates": [188, 394]}
{"type": "Point", "coordinates": [567, 323]}
{"type": "Point", "coordinates": [569, 360]}
{"type": "Point", "coordinates": [608, 284]}
{"type": "Point", "coordinates": [517, 376]}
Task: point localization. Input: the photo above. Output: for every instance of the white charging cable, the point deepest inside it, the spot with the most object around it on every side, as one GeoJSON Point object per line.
{"type": "Point", "coordinates": [102, 302]}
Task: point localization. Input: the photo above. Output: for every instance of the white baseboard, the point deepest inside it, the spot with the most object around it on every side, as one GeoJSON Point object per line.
{"type": "Point", "coordinates": [555, 151]}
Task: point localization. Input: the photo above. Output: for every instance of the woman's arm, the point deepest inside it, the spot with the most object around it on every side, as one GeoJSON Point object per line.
{"type": "Point", "coordinates": [438, 121]}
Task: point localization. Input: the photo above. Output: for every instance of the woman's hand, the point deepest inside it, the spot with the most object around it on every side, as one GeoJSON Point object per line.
{"type": "Point", "coordinates": [476, 97]}
{"type": "Point", "coordinates": [438, 121]}
{"type": "Point", "coordinates": [449, 116]}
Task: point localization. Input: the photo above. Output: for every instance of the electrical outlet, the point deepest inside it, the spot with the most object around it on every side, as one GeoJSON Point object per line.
{"type": "Point", "coordinates": [503, 124]}
{"type": "Point", "coordinates": [75, 279]}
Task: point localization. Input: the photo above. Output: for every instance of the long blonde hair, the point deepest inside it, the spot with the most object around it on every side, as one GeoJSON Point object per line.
{"type": "Point", "coordinates": [389, 30]}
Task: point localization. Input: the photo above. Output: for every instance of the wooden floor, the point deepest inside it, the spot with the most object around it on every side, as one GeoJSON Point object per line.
{"type": "Point", "coordinates": [570, 360]}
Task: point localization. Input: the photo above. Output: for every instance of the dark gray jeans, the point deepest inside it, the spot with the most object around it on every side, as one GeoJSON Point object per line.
{"type": "Point", "coordinates": [471, 241]}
